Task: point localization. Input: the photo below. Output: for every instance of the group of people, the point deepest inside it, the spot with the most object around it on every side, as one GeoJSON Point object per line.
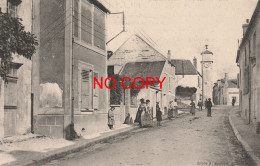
{"type": "Point", "coordinates": [208, 106]}
{"type": "Point", "coordinates": [144, 115]}
{"type": "Point", "coordinates": [172, 108]}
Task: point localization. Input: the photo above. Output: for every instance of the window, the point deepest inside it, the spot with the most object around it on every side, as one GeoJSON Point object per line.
{"type": "Point", "coordinates": [10, 88]}
{"type": "Point", "coordinates": [254, 45]}
{"type": "Point", "coordinates": [89, 24]}
{"type": "Point", "coordinates": [12, 9]}
{"type": "Point", "coordinates": [99, 31]}
{"type": "Point", "coordinates": [76, 18]}
{"type": "Point", "coordinates": [86, 21]}
{"type": "Point", "coordinates": [245, 58]}
{"type": "Point", "coordinates": [96, 92]}
{"type": "Point", "coordinates": [86, 90]}
{"type": "Point", "coordinates": [246, 81]}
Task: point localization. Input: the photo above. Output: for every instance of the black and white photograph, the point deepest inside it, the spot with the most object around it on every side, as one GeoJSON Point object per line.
{"type": "Point", "coordinates": [130, 82]}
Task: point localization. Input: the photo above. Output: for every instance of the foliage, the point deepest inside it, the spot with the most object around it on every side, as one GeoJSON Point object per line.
{"type": "Point", "coordinates": [14, 39]}
{"type": "Point", "coordinates": [185, 91]}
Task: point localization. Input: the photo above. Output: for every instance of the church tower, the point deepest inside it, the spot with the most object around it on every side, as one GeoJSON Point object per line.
{"type": "Point", "coordinates": [207, 74]}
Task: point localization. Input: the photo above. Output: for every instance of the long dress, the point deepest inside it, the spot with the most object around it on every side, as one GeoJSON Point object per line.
{"type": "Point", "coordinates": [170, 111]}
{"type": "Point", "coordinates": [140, 110]}
{"type": "Point", "coordinates": [146, 119]}
{"type": "Point", "coordinates": [192, 108]}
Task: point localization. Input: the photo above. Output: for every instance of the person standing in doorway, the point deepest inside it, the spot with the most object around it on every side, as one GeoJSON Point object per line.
{"type": "Point", "coordinates": [158, 114]}
{"type": "Point", "coordinates": [111, 120]}
{"type": "Point", "coordinates": [209, 107]}
{"type": "Point", "coordinates": [233, 101]}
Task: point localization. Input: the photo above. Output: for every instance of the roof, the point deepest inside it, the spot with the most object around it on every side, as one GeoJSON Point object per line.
{"type": "Point", "coordinates": [134, 49]}
{"type": "Point", "coordinates": [143, 69]}
{"type": "Point", "coordinates": [232, 83]}
{"type": "Point", "coordinates": [207, 52]}
{"type": "Point", "coordinates": [103, 4]}
{"type": "Point", "coordinates": [184, 67]}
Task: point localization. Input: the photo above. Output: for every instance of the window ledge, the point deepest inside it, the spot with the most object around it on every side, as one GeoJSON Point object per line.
{"type": "Point", "coordinates": [89, 46]}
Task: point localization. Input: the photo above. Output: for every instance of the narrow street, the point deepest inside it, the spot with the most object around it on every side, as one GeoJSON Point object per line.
{"type": "Point", "coordinates": [183, 142]}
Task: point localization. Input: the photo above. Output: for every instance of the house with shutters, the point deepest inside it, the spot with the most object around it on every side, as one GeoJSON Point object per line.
{"type": "Point", "coordinates": [248, 62]}
{"type": "Point", "coordinates": [72, 50]}
{"type": "Point", "coordinates": [138, 57]}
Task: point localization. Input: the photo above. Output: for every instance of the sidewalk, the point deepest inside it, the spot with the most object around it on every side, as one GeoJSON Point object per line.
{"type": "Point", "coordinates": [36, 150]}
{"type": "Point", "coordinates": [245, 133]}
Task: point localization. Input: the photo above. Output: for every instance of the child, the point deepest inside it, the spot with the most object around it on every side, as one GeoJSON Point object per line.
{"type": "Point", "coordinates": [158, 114]}
{"type": "Point", "coordinates": [111, 120]}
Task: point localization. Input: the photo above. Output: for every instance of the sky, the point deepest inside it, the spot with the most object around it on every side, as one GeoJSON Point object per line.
{"type": "Point", "coordinates": [185, 26]}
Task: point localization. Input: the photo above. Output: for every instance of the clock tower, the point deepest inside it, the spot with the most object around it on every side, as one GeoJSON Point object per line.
{"type": "Point", "coordinates": [207, 74]}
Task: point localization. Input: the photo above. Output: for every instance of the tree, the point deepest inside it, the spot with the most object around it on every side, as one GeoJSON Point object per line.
{"type": "Point", "coordinates": [185, 91]}
{"type": "Point", "coordinates": [14, 39]}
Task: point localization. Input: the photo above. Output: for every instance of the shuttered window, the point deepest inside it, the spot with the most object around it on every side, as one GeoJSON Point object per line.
{"type": "Point", "coordinates": [99, 28]}
{"type": "Point", "coordinates": [76, 18]}
{"type": "Point", "coordinates": [96, 91]}
{"type": "Point", "coordinates": [89, 24]}
{"type": "Point", "coordinates": [86, 22]}
{"type": "Point", "coordinates": [86, 90]}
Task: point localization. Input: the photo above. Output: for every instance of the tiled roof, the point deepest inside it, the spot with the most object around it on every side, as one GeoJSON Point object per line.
{"type": "Point", "coordinates": [232, 83]}
{"type": "Point", "coordinates": [184, 67]}
{"type": "Point", "coordinates": [143, 69]}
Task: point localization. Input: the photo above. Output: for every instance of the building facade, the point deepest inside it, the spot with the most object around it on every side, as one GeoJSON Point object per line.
{"type": "Point", "coordinates": [72, 50]}
{"type": "Point", "coordinates": [225, 90]}
{"type": "Point", "coordinates": [186, 75]}
{"type": "Point", "coordinates": [136, 57]}
{"type": "Point", "coordinates": [15, 95]}
{"type": "Point", "coordinates": [249, 65]}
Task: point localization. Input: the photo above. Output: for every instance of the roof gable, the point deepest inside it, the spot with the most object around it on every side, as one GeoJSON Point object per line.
{"type": "Point", "coordinates": [134, 49]}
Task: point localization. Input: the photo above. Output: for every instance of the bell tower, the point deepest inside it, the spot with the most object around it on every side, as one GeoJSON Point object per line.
{"type": "Point", "coordinates": [207, 73]}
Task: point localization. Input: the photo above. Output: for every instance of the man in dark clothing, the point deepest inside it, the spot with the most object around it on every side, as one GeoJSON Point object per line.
{"type": "Point", "coordinates": [209, 105]}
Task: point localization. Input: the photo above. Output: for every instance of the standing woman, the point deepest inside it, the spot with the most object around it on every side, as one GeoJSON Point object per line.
{"type": "Point", "coordinates": [158, 114]}
{"type": "Point", "coordinates": [170, 110]}
{"type": "Point", "coordinates": [111, 120]}
{"type": "Point", "coordinates": [192, 108]}
{"type": "Point", "coordinates": [140, 110]}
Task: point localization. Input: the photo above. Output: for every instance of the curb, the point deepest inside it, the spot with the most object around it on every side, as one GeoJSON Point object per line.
{"type": "Point", "coordinates": [245, 145]}
{"type": "Point", "coordinates": [80, 145]}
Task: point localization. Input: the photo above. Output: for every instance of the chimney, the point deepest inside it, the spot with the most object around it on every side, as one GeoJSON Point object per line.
{"type": "Point", "coordinates": [245, 26]}
{"type": "Point", "coordinates": [169, 55]}
{"type": "Point", "coordinates": [195, 62]}
{"type": "Point", "coordinates": [226, 76]}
